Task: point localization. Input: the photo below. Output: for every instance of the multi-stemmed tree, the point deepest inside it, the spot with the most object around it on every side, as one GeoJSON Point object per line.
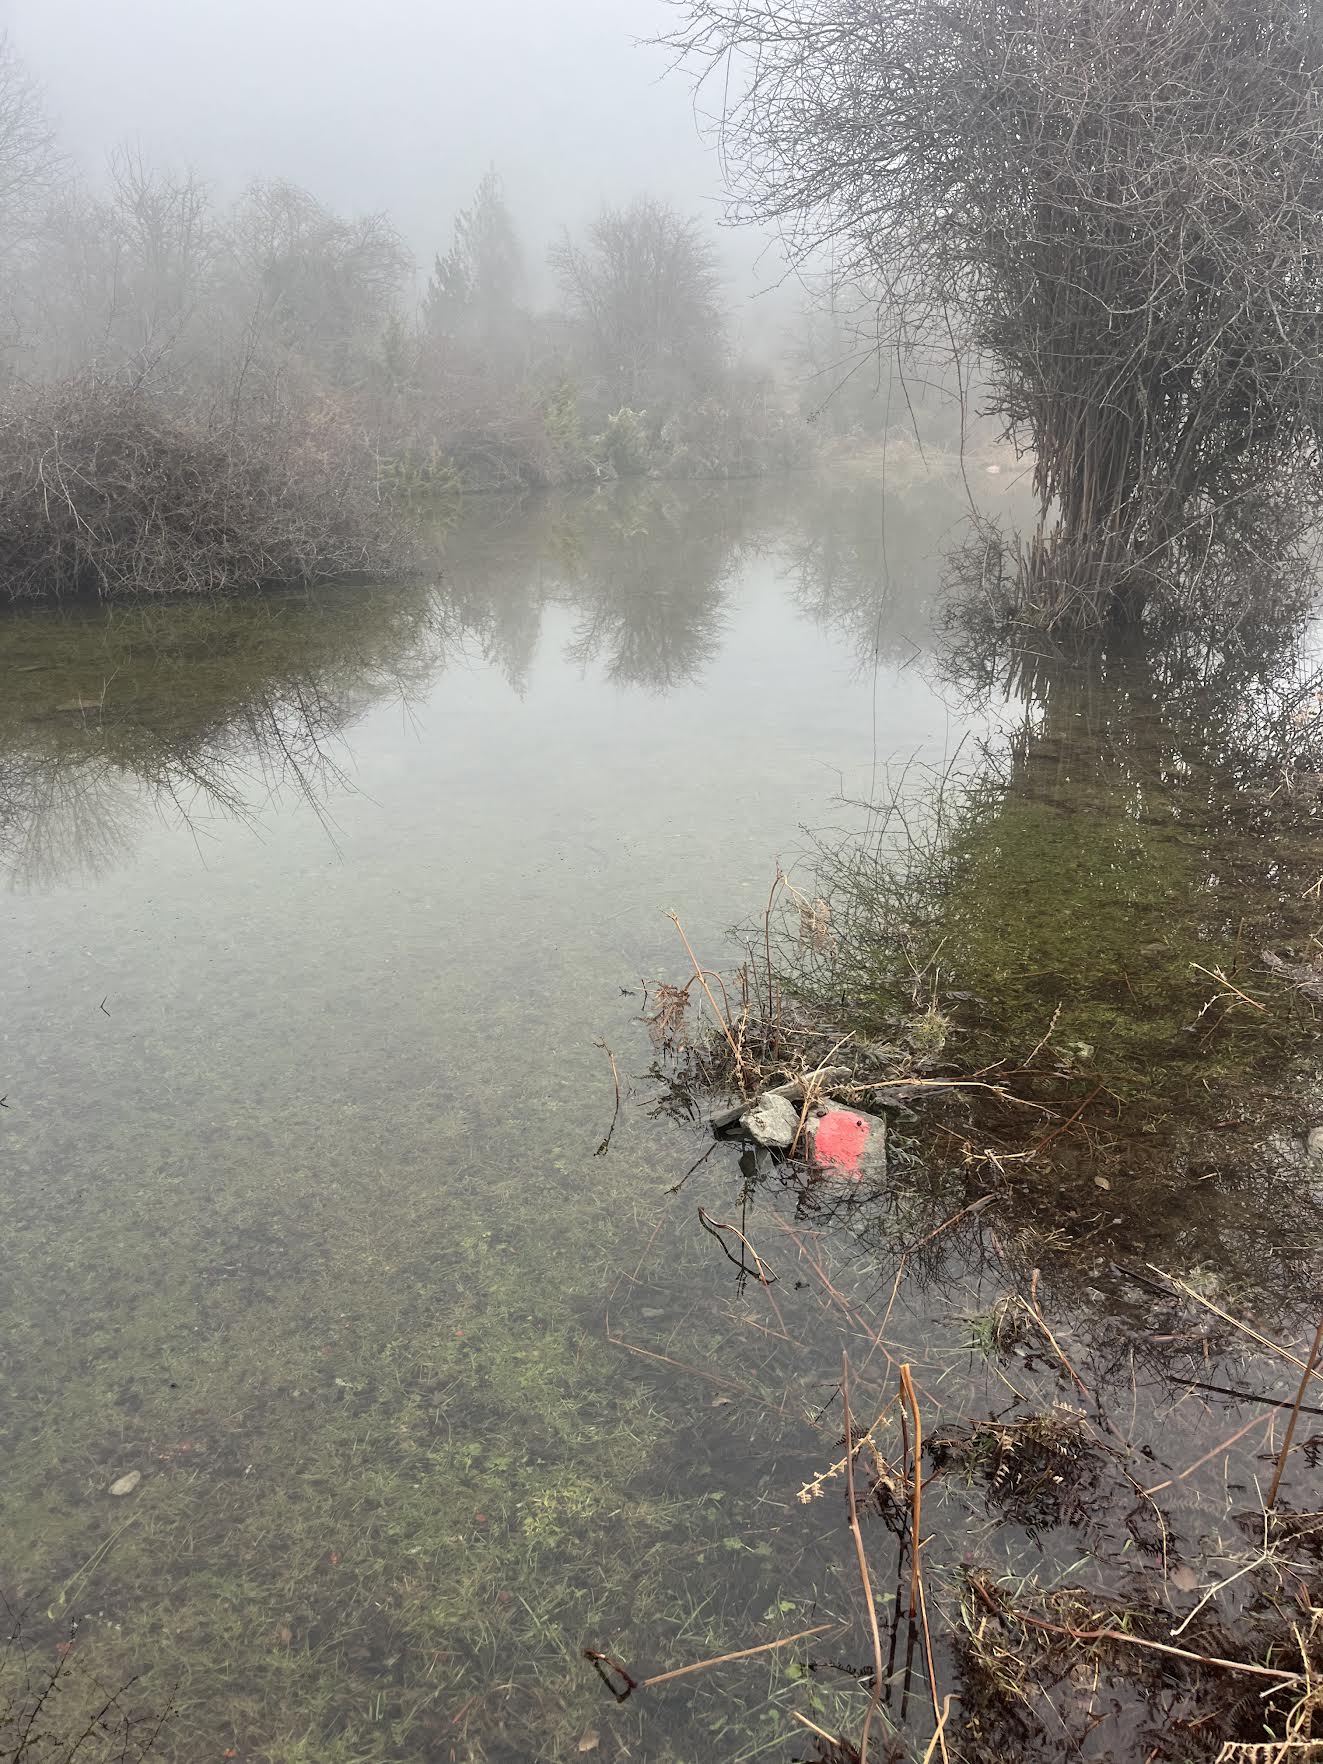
{"type": "Point", "coordinates": [1115, 206]}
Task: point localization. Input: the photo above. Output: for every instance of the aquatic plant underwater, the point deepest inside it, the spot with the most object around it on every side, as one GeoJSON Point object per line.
{"type": "Point", "coordinates": [426, 1397]}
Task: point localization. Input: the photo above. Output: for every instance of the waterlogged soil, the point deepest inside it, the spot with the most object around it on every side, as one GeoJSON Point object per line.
{"type": "Point", "coordinates": [321, 914]}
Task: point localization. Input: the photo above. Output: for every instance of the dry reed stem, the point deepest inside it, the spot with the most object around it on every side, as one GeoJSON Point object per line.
{"type": "Point", "coordinates": [1236, 1323]}
{"type": "Point", "coordinates": [832, 1739]}
{"type": "Point", "coordinates": [918, 1599]}
{"type": "Point", "coordinates": [722, 1017]}
{"type": "Point", "coordinates": [1295, 1416]}
{"type": "Point", "coordinates": [875, 1699]}
{"type": "Point", "coordinates": [1142, 1641]}
{"type": "Point", "coordinates": [937, 1738]}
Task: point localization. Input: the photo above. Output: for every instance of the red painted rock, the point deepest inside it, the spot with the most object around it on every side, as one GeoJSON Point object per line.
{"type": "Point", "coordinates": [847, 1143]}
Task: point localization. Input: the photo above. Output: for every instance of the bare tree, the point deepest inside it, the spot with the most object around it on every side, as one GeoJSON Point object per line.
{"type": "Point", "coordinates": [1118, 208]}
{"type": "Point", "coordinates": [166, 243]}
{"type": "Point", "coordinates": [29, 172]}
{"type": "Point", "coordinates": [643, 287]}
{"type": "Point", "coordinates": [323, 285]}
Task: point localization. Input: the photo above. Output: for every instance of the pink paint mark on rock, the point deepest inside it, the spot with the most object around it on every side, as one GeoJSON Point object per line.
{"type": "Point", "coordinates": [840, 1140]}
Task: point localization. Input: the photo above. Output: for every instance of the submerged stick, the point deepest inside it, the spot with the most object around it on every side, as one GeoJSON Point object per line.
{"type": "Point", "coordinates": [739, 1654]}
{"type": "Point", "coordinates": [615, 1074]}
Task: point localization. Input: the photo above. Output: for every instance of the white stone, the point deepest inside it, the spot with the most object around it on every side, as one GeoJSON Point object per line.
{"type": "Point", "coordinates": [771, 1121]}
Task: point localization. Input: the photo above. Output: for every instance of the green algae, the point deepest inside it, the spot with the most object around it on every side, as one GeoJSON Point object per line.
{"type": "Point", "coordinates": [1085, 882]}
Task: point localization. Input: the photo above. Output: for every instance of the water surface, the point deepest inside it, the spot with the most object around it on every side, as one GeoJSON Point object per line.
{"type": "Point", "coordinates": [318, 911]}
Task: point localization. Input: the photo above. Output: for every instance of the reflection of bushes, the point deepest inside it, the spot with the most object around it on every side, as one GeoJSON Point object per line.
{"type": "Point", "coordinates": [1072, 882]}
{"type": "Point", "coordinates": [52, 1711]}
{"type": "Point", "coordinates": [93, 716]}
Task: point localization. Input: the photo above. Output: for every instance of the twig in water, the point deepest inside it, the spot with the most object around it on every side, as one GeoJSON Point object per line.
{"type": "Point", "coordinates": [1066, 1124]}
{"type": "Point", "coordinates": [696, 1165]}
{"type": "Point", "coordinates": [604, 1665]}
{"type": "Point", "coordinates": [716, 1227]}
{"type": "Point", "coordinates": [1236, 1323]}
{"type": "Point", "coordinates": [723, 1017]}
{"type": "Point", "coordinates": [1224, 1445]}
{"type": "Point", "coordinates": [1250, 1396]}
{"type": "Point", "coordinates": [1032, 1306]}
{"type": "Point", "coordinates": [615, 1075]}
{"type": "Point", "coordinates": [1220, 977]}
{"type": "Point", "coordinates": [1142, 1641]}
{"type": "Point", "coordinates": [599, 1658]}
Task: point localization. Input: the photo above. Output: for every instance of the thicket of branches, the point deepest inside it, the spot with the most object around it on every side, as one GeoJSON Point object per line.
{"type": "Point", "coordinates": [107, 489]}
{"type": "Point", "coordinates": [1116, 207]}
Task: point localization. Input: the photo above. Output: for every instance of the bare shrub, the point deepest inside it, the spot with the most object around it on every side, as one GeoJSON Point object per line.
{"type": "Point", "coordinates": [107, 488]}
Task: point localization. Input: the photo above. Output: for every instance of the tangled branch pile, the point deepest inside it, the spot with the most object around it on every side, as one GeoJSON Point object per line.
{"type": "Point", "coordinates": [1117, 204]}
{"type": "Point", "coordinates": [108, 488]}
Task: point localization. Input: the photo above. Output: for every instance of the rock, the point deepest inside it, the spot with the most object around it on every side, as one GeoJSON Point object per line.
{"type": "Point", "coordinates": [847, 1142]}
{"type": "Point", "coordinates": [126, 1484]}
{"type": "Point", "coordinates": [1314, 1143]}
{"type": "Point", "coordinates": [823, 1077]}
{"type": "Point", "coordinates": [773, 1121]}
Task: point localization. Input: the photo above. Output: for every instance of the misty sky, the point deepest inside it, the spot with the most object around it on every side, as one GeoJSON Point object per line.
{"type": "Point", "coordinates": [395, 104]}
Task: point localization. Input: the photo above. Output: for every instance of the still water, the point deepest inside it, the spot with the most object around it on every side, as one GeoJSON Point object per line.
{"type": "Point", "coordinates": [317, 913]}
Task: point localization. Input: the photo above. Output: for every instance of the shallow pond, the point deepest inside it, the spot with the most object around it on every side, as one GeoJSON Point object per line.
{"type": "Point", "coordinates": [319, 913]}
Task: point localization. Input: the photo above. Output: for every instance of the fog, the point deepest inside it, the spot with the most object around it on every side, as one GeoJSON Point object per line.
{"type": "Point", "coordinates": [281, 283]}
{"type": "Point", "coordinates": [399, 106]}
